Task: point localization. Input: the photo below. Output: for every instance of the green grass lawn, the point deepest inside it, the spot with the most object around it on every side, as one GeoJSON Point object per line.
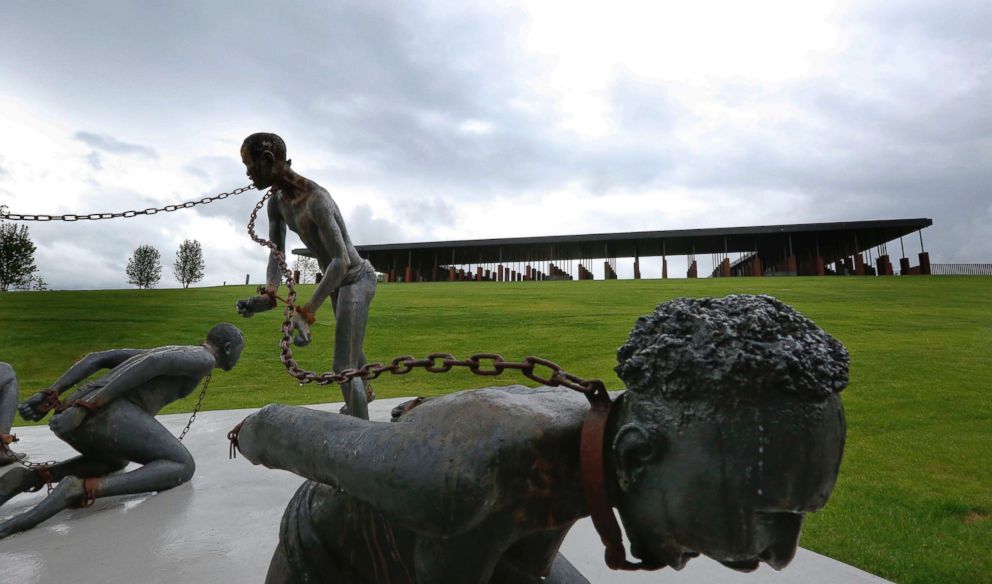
{"type": "Point", "coordinates": [914, 497]}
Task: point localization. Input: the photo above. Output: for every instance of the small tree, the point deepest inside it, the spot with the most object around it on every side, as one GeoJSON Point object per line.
{"type": "Point", "coordinates": [16, 256]}
{"type": "Point", "coordinates": [189, 264]}
{"type": "Point", "coordinates": [144, 268]}
{"type": "Point", "coordinates": [307, 267]}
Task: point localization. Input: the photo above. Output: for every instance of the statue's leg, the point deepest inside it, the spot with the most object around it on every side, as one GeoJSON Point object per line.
{"type": "Point", "coordinates": [8, 408]}
{"type": "Point", "coordinates": [69, 491]}
{"type": "Point", "coordinates": [68, 474]}
{"type": "Point", "coordinates": [20, 479]}
{"type": "Point", "coordinates": [166, 462]}
{"type": "Point", "coordinates": [352, 313]}
{"type": "Point", "coordinates": [8, 400]}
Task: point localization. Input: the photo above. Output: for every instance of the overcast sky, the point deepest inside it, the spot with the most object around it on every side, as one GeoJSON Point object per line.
{"type": "Point", "coordinates": [437, 120]}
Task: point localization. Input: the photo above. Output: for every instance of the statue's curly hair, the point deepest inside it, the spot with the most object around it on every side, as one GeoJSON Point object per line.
{"type": "Point", "coordinates": [737, 349]}
{"type": "Point", "coordinates": [261, 141]}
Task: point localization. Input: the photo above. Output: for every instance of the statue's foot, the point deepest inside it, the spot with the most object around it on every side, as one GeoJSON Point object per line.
{"type": "Point", "coordinates": [369, 398]}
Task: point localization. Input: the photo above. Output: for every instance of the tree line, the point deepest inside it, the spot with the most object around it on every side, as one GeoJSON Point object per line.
{"type": "Point", "coordinates": [144, 268]}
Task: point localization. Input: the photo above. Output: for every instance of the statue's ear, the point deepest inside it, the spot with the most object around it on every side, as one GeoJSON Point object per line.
{"type": "Point", "coordinates": [269, 156]}
{"type": "Point", "coordinates": [227, 348]}
{"type": "Point", "coordinates": [633, 449]}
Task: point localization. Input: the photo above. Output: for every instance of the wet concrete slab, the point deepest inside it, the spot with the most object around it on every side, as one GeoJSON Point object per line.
{"type": "Point", "coordinates": [223, 526]}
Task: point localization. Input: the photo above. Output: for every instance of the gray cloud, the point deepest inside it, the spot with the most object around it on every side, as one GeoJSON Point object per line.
{"type": "Point", "coordinates": [113, 145]}
{"type": "Point", "coordinates": [435, 106]}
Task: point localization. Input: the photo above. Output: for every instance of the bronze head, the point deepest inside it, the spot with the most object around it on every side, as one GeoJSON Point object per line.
{"type": "Point", "coordinates": [264, 156]}
{"type": "Point", "coordinates": [731, 429]}
{"type": "Point", "coordinates": [227, 343]}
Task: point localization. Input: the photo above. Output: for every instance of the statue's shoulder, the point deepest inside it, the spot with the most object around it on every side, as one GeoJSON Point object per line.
{"type": "Point", "coordinates": [511, 409]}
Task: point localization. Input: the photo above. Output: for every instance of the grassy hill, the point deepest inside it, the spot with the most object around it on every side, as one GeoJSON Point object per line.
{"type": "Point", "coordinates": [914, 497]}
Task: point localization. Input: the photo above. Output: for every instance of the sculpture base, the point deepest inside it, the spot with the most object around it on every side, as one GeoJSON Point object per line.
{"type": "Point", "coordinates": [222, 526]}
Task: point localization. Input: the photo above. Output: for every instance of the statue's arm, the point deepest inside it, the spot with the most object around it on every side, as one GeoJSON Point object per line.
{"type": "Point", "coordinates": [132, 375]}
{"type": "Point", "coordinates": [277, 235]}
{"type": "Point", "coordinates": [37, 406]}
{"type": "Point", "coordinates": [266, 298]}
{"type": "Point", "coordinates": [92, 363]}
{"type": "Point", "coordinates": [332, 238]}
{"type": "Point", "coordinates": [376, 462]}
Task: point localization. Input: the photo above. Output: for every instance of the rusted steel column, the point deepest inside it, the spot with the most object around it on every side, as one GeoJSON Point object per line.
{"type": "Point", "coordinates": [451, 273]}
{"type": "Point", "coordinates": [489, 275]}
{"type": "Point", "coordinates": [478, 273]}
{"type": "Point", "coordinates": [821, 269]}
{"type": "Point", "coordinates": [925, 263]}
{"type": "Point", "coordinates": [692, 271]}
{"type": "Point", "coordinates": [883, 265]}
{"type": "Point", "coordinates": [756, 270]}
{"type": "Point", "coordinates": [664, 268]}
{"type": "Point", "coordinates": [725, 268]}
{"type": "Point", "coordinates": [791, 266]}
{"type": "Point", "coordinates": [904, 269]}
{"type": "Point", "coordinates": [530, 274]}
{"type": "Point", "coordinates": [318, 277]}
{"type": "Point", "coordinates": [408, 274]}
{"type": "Point", "coordinates": [637, 268]}
{"type": "Point", "coordinates": [499, 273]}
{"type": "Point", "coordinates": [392, 275]}
{"type": "Point", "coordinates": [296, 276]}
{"type": "Point", "coordinates": [859, 264]}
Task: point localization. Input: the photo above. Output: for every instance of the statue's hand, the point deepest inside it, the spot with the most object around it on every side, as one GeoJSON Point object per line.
{"type": "Point", "coordinates": [32, 409]}
{"type": "Point", "coordinates": [67, 421]}
{"type": "Point", "coordinates": [302, 329]}
{"type": "Point", "coordinates": [250, 306]}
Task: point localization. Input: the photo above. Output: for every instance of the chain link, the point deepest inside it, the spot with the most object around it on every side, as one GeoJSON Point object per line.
{"type": "Point", "coordinates": [485, 364]}
{"type": "Point", "coordinates": [6, 214]}
{"type": "Point", "coordinates": [196, 408]}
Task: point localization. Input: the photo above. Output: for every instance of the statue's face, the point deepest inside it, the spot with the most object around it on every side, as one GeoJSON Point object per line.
{"type": "Point", "coordinates": [232, 353]}
{"type": "Point", "coordinates": [262, 170]}
{"type": "Point", "coordinates": [732, 485]}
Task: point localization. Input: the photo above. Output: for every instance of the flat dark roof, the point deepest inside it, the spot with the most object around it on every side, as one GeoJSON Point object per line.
{"type": "Point", "coordinates": [831, 240]}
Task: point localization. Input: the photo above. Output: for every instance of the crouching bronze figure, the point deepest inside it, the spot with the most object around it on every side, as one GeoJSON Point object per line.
{"type": "Point", "coordinates": [729, 431]}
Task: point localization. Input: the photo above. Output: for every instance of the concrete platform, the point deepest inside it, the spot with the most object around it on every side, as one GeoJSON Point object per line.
{"type": "Point", "coordinates": [223, 526]}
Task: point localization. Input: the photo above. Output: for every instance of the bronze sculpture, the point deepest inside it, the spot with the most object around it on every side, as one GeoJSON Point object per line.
{"type": "Point", "coordinates": [110, 422]}
{"type": "Point", "coordinates": [8, 408]}
{"type": "Point", "coordinates": [308, 209]}
{"type": "Point", "coordinates": [730, 430]}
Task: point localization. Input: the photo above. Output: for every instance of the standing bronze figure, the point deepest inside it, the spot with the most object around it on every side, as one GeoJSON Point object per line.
{"type": "Point", "coordinates": [730, 430]}
{"type": "Point", "coordinates": [349, 281]}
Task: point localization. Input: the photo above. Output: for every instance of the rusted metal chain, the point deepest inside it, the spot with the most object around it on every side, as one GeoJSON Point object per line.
{"type": "Point", "coordinates": [485, 364]}
{"type": "Point", "coordinates": [6, 214]}
{"type": "Point", "coordinates": [196, 408]}
{"type": "Point", "coordinates": [41, 469]}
